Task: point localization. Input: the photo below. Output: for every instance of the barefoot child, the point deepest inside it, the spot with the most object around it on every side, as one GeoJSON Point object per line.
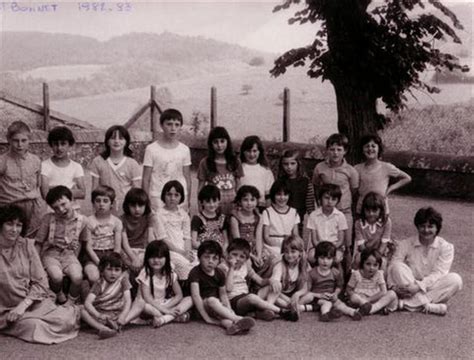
{"type": "Point", "coordinates": [160, 294]}
{"type": "Point", "coordinates": [108, 303]}
{"type": "Point", "coordinates": [367, 288]}
{"type": "Point", "coordinates": [326, 283]}
{"type": "Point", "coordinates": [209, 292]}
{"type": "Point", "coordinates": [238, 271]}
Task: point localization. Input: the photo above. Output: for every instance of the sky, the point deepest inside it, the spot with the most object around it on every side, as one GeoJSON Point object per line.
{"type": "Point", "coordinates": [248, 23]}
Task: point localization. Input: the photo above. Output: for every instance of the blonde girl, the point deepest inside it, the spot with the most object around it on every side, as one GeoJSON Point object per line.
{"type": "Point", "coordinates": [288, 282]}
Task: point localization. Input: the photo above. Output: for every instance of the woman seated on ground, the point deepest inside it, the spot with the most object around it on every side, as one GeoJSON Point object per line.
{"type": "Point", "coordinates": [27, 311]}
{"type": "Point", "coordinates": [420, 268]}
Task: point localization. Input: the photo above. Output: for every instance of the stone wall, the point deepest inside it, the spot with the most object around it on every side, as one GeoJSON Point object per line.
{"type": "Point", "coordinates": [433, 174]}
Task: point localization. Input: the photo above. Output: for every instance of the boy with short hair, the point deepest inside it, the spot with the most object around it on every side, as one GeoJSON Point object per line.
{"type": "Point", "coordinates": [105, 231]}
{"type": "Point", "coordinates": [238, 271]}
{"type": "Point", "coordinates": [59, 240]}
{"type": "Point", "coordinates": [336, 170]}
{"type": "Point", "coordinates": [59, 169]}
{"type": "Point", "coordinates": [209, 294]}
{"type": "Point", "coordinates": [20, 177]}
{"type": "Point", "coordinates": [167, 159]}
{"type": "Point", "coordinates": [108, 303]}
{"type": "Point", "coordinates": [210, 223]}
{"type": "Point", "coordinates": [327, 223]}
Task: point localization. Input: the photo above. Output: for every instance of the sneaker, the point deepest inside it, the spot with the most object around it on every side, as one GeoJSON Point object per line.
{"type": "Point", "coordinates": [107, 333]}
{"type": "Point", "coordinates": [183, 318]}
{"type": "Point", "coordinates": [266, 315]}
{"type": "Point", "coordinates": [384, 312]}
{"type": "Point", "coordinates": [357, 316]}
{"type": "Point", "coordinates": [315, 305]}
{"type": "Point", "coordinates": [112, 324]}
{"type": "Point", "coordinates": [437, 309]}
{"type": "Point", "coordinates": [334, 314]}
{"type": "Point", "coordinates": [288, 315]}
{"type": "Point", "coordinates": [241, 326]}
{"type": "Point", "coordinates": [325, 317]}
{"type": "Point", "coordinates": [365, 309]}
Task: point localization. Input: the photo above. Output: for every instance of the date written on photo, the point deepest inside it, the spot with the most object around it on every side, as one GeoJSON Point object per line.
{"type": "Point", "coordinates": [51, 7]}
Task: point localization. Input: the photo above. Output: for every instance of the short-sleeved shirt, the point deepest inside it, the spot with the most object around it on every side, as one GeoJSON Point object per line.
{"type": "Point", "coordinates": [160, 285]}
{"type": "Point", "coordinates": [259, 176]}
{"type": "Point", "coordinates": [103, 232]}
{"type": "Point", "coordinates": [325, 283]}
{"type": "Point", "coordinates": [63, 234]}
{"type": "Point", "coordinates": [375, 180]}
{"type": "Point", "coordinates": [345, 176]}
{"type": "Point", "coordinates": [177, 226]}
{"type": "Point", "coordinates": [327, 227]}
{"type": "Point", "coordinates": [372, 236]}
{"type": "Point", "coordinates": [120, 177]}
{"type": "Point", "coordinates": [166, 164]}
{"type": "Point", "coordinates": [239, 280]}
{"type": "Point", "coordinates": [248, 230]}
{"type": "Point", "coordinates": [19, 177]}
{"type": "Point", "coordinates": [65, 176]}
{"type": "Point", "coordinates": [208, 285]}
{"type": "Point", "coordinates": [210, 228]}
{"type": "Point", "coordinates": [137, 229]}
{"type": "Point", "coordinates": [364, 286]}
{"type": "Point", "coordinates": [280, 224]}
{"type": "Point", "coordinates": [109, 296]}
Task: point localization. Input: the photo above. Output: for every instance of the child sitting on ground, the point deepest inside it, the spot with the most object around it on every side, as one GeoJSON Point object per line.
{"type": "Point", "coordinates": [210, 223]}
{"type": "Point", "coordinates": [160, 294]}
{"type": "Point", "coordinates": [105, 230]}
{"type": "Point", "coordinates": [209, 292]}
{"type": "Point", "coordinates": [238, 271]}
{"type": "Point", "coordinates": [59, 241]}
{"type": "Point", "coordinates": [109, 299]}
{"type": "Point", "coordinates": [367, 288]}
{"type": "Point", "coordinates": [326, 284]}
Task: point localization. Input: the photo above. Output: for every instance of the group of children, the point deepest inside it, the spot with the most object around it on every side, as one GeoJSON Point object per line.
{"type": "Point", "coordinates": [141, 257]}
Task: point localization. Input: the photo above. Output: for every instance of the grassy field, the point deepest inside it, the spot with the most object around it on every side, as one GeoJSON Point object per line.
{"type": "Point", "coordinates": [400, 335]}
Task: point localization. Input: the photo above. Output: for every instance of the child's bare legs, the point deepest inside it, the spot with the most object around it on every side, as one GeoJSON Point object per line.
{"type": "Point", "coordinates": [255, 302]}
{"type": "Point", "coordinates": [357, 299]}
{"type": "Point", "coordinates": [138, 307]}
{"type": "Point", "coordinates": [92, 273]}
{"type": "Point", "coordinates": [74, 271]}
{"type": "Point", "coordinates": [234, 324]}
{"type": "Point", "coordinates": [347, 310]}
{"type": "Point", "coordinates": [389, 301]}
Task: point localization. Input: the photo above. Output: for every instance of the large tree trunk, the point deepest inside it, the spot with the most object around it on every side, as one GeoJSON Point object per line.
{"type": "Point", "coordinates": [357, 115]}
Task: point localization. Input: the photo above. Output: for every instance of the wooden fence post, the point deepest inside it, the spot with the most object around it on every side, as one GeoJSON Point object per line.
{"type": "Point", "coordinates": [286, 115]}
{"type": "Point", "coordinates": [46, 109]}
{"type": "Point", "coordinates": [152, 109]}
{"type": "Point", "coordinates": [213, 107]}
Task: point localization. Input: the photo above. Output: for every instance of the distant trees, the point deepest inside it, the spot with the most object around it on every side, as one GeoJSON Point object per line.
{"type": "Point", "coordinates": [369, 52]}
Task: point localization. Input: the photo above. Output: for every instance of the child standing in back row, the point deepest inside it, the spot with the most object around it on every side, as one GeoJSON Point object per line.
{"type": "Point", "coordinates": [115, 166]}
{"type": "Point", "coordinates": [256, 170]}
{"type": "Point", "coordinates": [221, 167]}
{"type": "Point", "coordinates": [20, 177]}
{"type": "Point", "coordinates": [59, 169]}
{"type": "Point", "coordinates": [375, 175]}
{"type": "Point", "coordinates": [167, 159]}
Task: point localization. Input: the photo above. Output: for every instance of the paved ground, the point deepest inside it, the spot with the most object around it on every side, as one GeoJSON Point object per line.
{"type": "Point", "coordinates": [400, 335]}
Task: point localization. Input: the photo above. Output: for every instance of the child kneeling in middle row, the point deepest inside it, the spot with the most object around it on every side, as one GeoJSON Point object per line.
{"type": "Point", "coordinates": [238, 269]}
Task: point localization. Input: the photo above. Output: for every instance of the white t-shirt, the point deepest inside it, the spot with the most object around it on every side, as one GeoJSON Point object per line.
{"type": "Point", "coordinates": [166, 164]}
{"type": "Point", "coordinates": [65, 176]}
{"type": "Point", "coordinates": [279, 225]}
{"type": "Point", "coordinates": [260, 177]}
{"type": "Point", "coordinates": [327, 227]}
{"type": "Point", "coordinates": [159, 285]}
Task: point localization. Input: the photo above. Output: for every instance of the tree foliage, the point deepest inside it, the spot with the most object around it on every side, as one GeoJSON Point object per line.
{"type": "Point", "coordinates": [371, 51]}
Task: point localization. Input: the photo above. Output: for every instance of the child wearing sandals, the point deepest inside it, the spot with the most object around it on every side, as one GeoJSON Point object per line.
{"type": "Point", "coordinates": [367, 288]}
{"type": "Point", "coordinates": [208, 290]}
{"type": "Point", "coordinates": [326, 284]}
{"type": "Point", "coordinates": [109, 299]}
{"type": "Point", "coordinates": [238, 270]}
{"type": "Point", "coordinates": [160, 294]}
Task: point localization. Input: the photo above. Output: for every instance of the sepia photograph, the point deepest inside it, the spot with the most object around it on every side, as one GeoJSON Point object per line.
{"type": "Point", "coordinates": [236, 179]}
